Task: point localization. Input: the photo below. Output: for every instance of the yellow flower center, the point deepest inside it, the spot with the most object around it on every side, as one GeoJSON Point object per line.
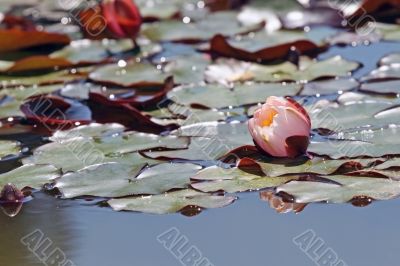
{"type": "Point", "coordinates": [269, 117]}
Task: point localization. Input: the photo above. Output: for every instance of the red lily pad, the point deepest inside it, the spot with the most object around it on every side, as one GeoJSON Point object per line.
{"type": "Point", "coordinates": [16, 39]}
{"type": "Point", "coordinates": [261, 49]}
{"type": "Point", "coordinates": [55, 112]}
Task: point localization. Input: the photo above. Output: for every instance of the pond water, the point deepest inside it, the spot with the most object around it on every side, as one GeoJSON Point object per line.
{"type": "Point", "coordinates": [245, 233]}
{"type": "Point", "coordinates": [248, 232]}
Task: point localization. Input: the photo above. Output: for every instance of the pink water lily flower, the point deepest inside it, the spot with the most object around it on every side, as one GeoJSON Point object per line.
{"type": "Point", "coordinates": [281, 127]}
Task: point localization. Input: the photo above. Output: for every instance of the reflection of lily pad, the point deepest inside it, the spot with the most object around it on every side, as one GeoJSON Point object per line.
{"type": "Point", "coordinates": [171, 202]}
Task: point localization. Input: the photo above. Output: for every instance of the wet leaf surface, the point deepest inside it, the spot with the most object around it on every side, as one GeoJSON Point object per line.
{"type": "Point", "coordinates": [117, 180]}
{"type": "Point", "coordinates": [171, 202]}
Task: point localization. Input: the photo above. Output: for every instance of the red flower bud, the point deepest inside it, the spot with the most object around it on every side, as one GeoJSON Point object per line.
{"type": "Point", "coordinates": [122, 17]}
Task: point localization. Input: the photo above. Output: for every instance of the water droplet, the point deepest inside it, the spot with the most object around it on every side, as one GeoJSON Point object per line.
{"type": "Point", "coordinates": [122, 63]}
{"type": "Point", "coordinates": [186, 20]}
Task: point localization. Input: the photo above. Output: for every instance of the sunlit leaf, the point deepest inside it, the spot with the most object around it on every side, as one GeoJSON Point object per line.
{"type": "Point", "coordinates": [231, 71]}
{"type": "Point", "coordinates": [33, 176]}
{"type": "Point", "coordinates": [359, 142]}
{"type": "Point", "coordinates": [224, 23]}
{"type": "Point", "coordinates": [346, 189]}
{"type": "Point", "coordinates": [9, 148]}
{"type": "Point", "coordinates": [171, 202]}
{"type": "Point", "coordinates": [116, 180]}
{"type": "Point", "coordinates": [217, 96]}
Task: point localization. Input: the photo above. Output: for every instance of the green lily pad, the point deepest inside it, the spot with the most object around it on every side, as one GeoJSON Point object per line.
{"type": "Point", "coordinates": [384, 72]}
{"type": "Point", "coordinates": [346, 189]}
{"type": "Point", "coordinates": [50, 78]}
{"type": "Point", "coordinates": [218, 96]}
{"type": "Point", "coordinates": [390, 59]}
{"type": "Point", "coordinates": [316, 165]}
{"type": "Point", "coordinates": [382, 87]}
{"type": "Point", "coordinates": [359, 142]}
{"type": "Point", "coordinates": [329, 86]}
{"type": "Point", "coordinates": [231, 70]}
{"type": "Point", "coordinates": [390, 32]}
{"type": "Point", "coordinates": [171, 202]}
{"type": "Point", "coordinates": [224, 23]}
{"type": "Point", "coordinates": [338, 117]}
{"type": "Point", "coordinates": [32, 176]}
{"type": "Point", "coordinates": [188, 69]}
{"type": "Point", "coordinates": [91, 130]}
{"type": "Point", "coordinates": [89, 51]}
{"type": "Point", "coordinates": [233, 180]}
{"type": "Point", "coordinates": [209, 141]}
{"type": "Point", "coordinates": [10, 109]}
{"type": "Point", "coordinates": [21, 93]}
{"type": "Point", "coordinates": [117, 180]}
{"type": "Point", "coordinates": [130, 75]}
{"type": "Point", "coordinates": [83, 151]}
{"type": "Point", "coordinates": [9, 148]}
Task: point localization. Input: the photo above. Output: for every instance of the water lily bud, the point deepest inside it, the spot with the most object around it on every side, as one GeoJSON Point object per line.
{"type": "Point", "coordinates": [281, 127]}
{"type": "Point", "coordinates": [122, 17]}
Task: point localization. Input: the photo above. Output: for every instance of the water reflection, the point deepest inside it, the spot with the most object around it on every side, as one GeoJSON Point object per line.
{"type": "Point", "coordinates": [43, 214]}
{"type": "Point", "coordinates": [277, 202]}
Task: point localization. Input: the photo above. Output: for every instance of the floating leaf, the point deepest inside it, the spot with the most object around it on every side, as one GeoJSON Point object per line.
{"type": "Point", "coordinates": [209, 141]}
{"type": "Point", "coordinates": [344, 190]}
{"type": "Point", "coordinates": [384, 72]}
{"type": "Point", "coordinates": [9, 148]}
{"type": "Point", "coordinates": [387, 87]}
{"type": "Point", "coordinates": [359, 142]}
{"type": "Point", "coordinates": [188, 69]}
{"type": "Point", "coordinates": [217, 96]}
{"type": "Point", "coordinates": [224, 23]}
{"type": "Point", "coordinates": [171, 202]}
{"type": "Point", "coordinates": [51, 78]}
{"type": "Point", "coordinates": [16, 39]}
{"type": "Point", "coordinates": [53, 111]}
{"type": "Point", "coordinates": [91, 130]}
{"type": "Point", "coordinates": [338, 117]}
{"type": "Point", "coordinates": [29, 175]}
{"type": "Point", "coordinates": [89, 51]}
{"type": "Point", "coordinates": [390, 32]}
{"type": "Point", "coordinates": [231, 71]}
{"type": "Point", "coordinates": [262, 47]}
{"type": "Point", "coordinates": [234, 180]}
{"type": "Point", "coordinates": [329, 86]}
{"type": "Point", "coordinates": [21, 93]}
{"type": "Point", "coordinates": [390, 59]}
{"type": "Point", "coordinates": [316, 165]}
{"type": "Point", "coordinates": [131, 75]}
{"type": "Point", "coordinates": [298, 19]}
{"type": "Point", "coordinates": [116, 180]}
{"type": "Point", "coordinates": [83, 151]}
